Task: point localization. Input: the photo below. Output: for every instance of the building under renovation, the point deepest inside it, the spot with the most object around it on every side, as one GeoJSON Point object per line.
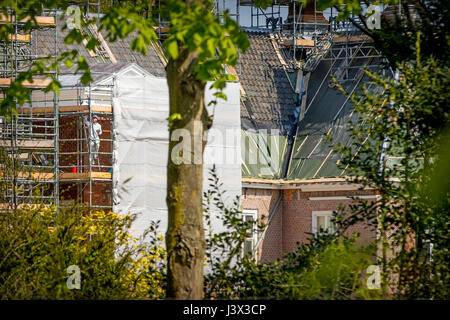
{"type": "Point", "coordinates": [282, 104]}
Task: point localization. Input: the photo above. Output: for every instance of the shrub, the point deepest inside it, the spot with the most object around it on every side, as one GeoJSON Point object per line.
{"type": "Point", "coordinates": [37, 245]}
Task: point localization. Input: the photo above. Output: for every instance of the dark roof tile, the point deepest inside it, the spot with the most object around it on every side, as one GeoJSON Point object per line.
{"type": "Point", "coordinates": [267, 86]}
{"type": "Point", "coordinates": [120, 49]}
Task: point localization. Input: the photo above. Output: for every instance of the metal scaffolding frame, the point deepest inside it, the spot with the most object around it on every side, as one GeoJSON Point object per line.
{"type": "Point", "coordinates": [270, 17]}
{"type": "Point", "coordinates": [32, 138]}
{"type": "Point", "coordinates": [307, 41]}
{"type": "Point", "coordinates": [220, 6]}
{"type": "Point", "coordinates": [76, 169]}
{"type": "Point", "coordinates": [30, 141]}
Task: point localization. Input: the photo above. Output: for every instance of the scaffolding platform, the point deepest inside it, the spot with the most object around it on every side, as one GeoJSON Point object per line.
{"type": "Point", "coordinates": [40, 20]}
{"type": "Point", "coordinates": [161, 29]}
{"type": "Point", "coordinates": [36, 83]}
{"type": "Point", "coordinates": [32, 175]}
{"type": "Point", "coordinates": [7, 206]}
{"type": "Point", "coordinates": [299, 42]}
{"type": "Point", "coordinates": [83, 176]}
{"type": "Point", "coordinates": [352, 38]}
{"type": "Point", "coordinates": [69, 109]}
{"type": "Point", "coordinates": [20, 37]}
{"type": "Point", "coordinates": [29, 144]}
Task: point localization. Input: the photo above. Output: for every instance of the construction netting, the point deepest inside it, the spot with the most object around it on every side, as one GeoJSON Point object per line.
{"type": "Point", "coordinates": [141, 109]}
{"type": "Point", "coordinates": [263, 153]}
{"type": "Point", "coordinates": [328, 113]}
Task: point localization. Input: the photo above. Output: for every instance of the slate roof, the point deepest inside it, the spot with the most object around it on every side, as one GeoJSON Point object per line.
{"type": "Point", "coordinates": [269, 96]}
{"type": "Point", "coordinates": [150, 62]}
{"type": "Point", "coordinates": [120, 49]}
{"type": "Point", "coordinates": [99, 72]}
{"type": "Point", "coordinates": [269, 101]}
{"type": "Point", "coordinates": [45, 39]}
{"type": "Point", "coordinates": [330, 112]}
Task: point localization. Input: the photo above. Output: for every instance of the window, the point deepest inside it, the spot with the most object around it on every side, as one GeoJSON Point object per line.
{"type": "Point", "coordinates": [322, 222]}
{"type": "Point", "coordinates": [427, 247]}
{"type": "Point", "coordinates": [250, 242]}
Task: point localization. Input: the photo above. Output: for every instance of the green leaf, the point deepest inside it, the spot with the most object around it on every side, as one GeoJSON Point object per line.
{"type": "Point", "coordinates": [86, 78]}
{"type": "Point", "coordinates": [68, 63]}
{"type": "Point", "coordinates": [220, 95]}
{"type": "Point", "coordinates": [138, 44]}
{"type": "Point", "coordinates": [172, 49]}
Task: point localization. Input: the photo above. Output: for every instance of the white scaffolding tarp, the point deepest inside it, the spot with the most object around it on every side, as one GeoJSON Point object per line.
{"type": "Point", "coordinates": [141, 109]}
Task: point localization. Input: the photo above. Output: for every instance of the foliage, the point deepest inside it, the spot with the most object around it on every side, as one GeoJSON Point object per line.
{"type": "Point", "coordinates": [199, 44]}
{"type": "Point", "coordinates": [396, 149]}
{"type": "Point", "coordinates": [328, 267]}
{"type": "Point", "coordinates": [194, 26]}
{"type": "Point", "coordinates": [38, 244]}
{"type": "Point", "coordinates": [17, 93]}
{"type": "Point", "coordinates": [337, 272]}
{"type": "Point", "coordinates": [224, 249]}
{"type": "Point", "coordinates": [396, 37]}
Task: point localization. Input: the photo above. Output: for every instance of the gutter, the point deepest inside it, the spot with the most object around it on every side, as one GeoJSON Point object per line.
{"type": "Point", "coordinates": [306, 185]}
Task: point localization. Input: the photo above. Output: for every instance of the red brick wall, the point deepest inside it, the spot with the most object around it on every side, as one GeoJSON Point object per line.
{"type": "Point", "coordinates": [68, 130]}
{"type": "Point", "coordinates": [293, 217]}
{"type": "Point", "coordinates": [68, 191]}
{"type": "Point", "coordinates": [264, 201]}
{"type": "Point", "coordinates": [101, 191]}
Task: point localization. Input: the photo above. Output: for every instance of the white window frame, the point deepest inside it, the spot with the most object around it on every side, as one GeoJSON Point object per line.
{"type": "Point", "coordinates": [254, 214]}
{"type": "Point", "coordinates": [316, 214]}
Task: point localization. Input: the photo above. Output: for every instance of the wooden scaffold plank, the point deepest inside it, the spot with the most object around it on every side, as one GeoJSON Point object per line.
{"type": "Point", "coordinates": [33, 175]}
{"type": "Point", "coordinates": [36, 83]}
{"type": "Point", "coordinates": [19, 37]}
{"type": "Point", "coordinates": [29, 144]}
{"type": "Point", "coordinates": [62, 109]}
{"type": "Point", "coordinates": [356, 38]}
{"type": "Point", "coordinates": [40, 20]}
{"type": "Point", "coordinates": [85, 176]}
{"type": "Point", "coordinates": [299, 42]}
{"type": "Point", "coordinates": [64, 176]}
{"type": "Point", "coordinates": [24, 206]}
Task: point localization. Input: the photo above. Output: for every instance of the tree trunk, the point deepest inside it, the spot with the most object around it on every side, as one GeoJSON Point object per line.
{"type": "Point", "coordinates": [185, 238]}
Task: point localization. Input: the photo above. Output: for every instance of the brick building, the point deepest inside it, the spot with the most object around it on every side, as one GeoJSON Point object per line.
{"type": "Point", "coordinates": [290, 174]}
{"type": "Point", "coordinates": [291, 178]}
